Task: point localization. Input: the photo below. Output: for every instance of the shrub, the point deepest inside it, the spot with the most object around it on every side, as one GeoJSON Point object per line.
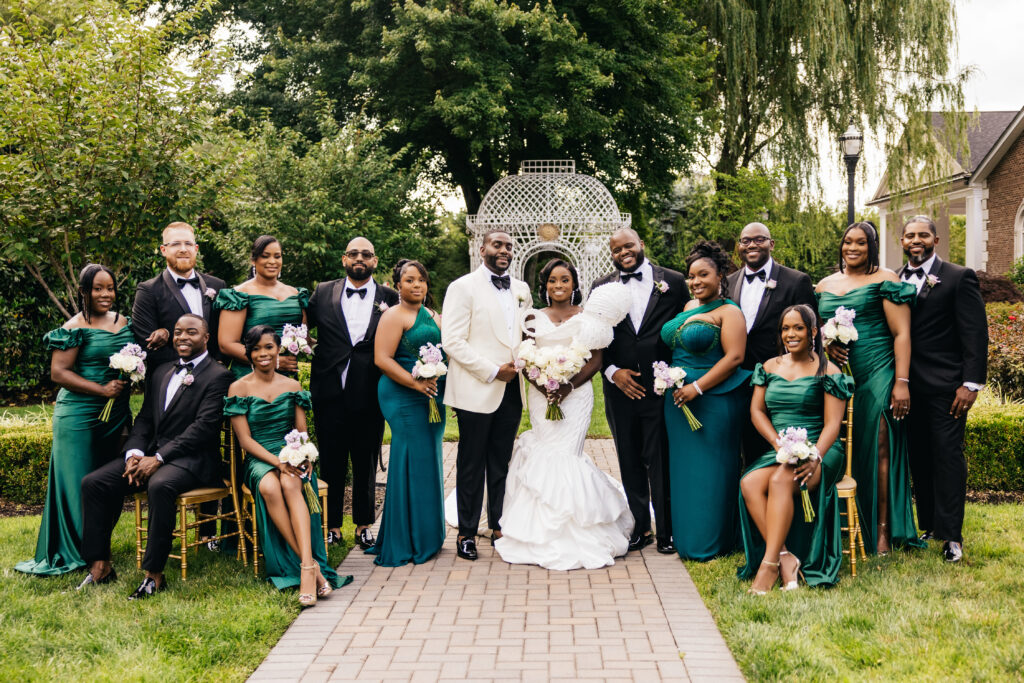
{"type": "Point", "coordinates": [24, 462]}
{"type": "Point", "coordinates": [998, 288]}
{"type": "Point", "coordinates": [1006, 348]}
{"type": "Point", "coordinates": [1016, 272]}
{"type": "Point", "coordinates": [995, 448]}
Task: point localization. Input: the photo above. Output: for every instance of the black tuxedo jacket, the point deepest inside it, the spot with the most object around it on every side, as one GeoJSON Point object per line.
{"type": "Point", "coordinates": [639, 349]}
{"type": "Point", "coordinates": [948, 330]}
{"type": "Point", "coordinates": [791, 287]}
{"type": "Point", "coordinates": [159, 303]}
{"type": "Point", "coordinates": [334, 345]}
{"type": "Point", "coordinates": [186, 434]}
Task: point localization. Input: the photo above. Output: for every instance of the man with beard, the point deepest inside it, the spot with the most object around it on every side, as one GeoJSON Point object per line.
{"type": "Point", "coordinates": [343, 384]}
{"type": "Point", "coordinates": [635, 413]}
{"type": "Point", "coordinates": [949, 351]}
{"type": "Point", "coordinates": [763, 289]}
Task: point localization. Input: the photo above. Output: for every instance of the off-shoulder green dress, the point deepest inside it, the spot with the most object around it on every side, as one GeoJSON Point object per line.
{"type": "Point", "coordinates": [818, 544]}
{"type": "Point", "coordinates": [261, 310]}
{"type": "Point", "coordinates": [81, 444]}
{"type": "Point", "coordinates": [873, 365]}
{"type": "Point", "coordinates": [704, 465]}
{"type": "Point", "coordinates": [269, 422]}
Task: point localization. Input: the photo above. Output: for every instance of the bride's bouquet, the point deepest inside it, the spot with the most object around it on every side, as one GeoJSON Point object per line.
{"type": "Point", "coordinates": [552, 366]}
{"type": "Point", "coordinates": [793, 448]}
{"type": "Point", "coordinates": [666, 377]}
{"type": "Point", "coordinates": [130, 364]}
{"type": "Point", "coordinates": [295, 340]}
{"type": "Point", "coordinates": [299, 450]}
{"type": "Point", "coordinates": [840, 330]}
{"type": "Point", "coordinates": [430, 364]}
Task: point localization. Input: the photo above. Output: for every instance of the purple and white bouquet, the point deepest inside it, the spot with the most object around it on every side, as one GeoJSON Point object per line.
{"type": "Point", "coordinates": [295, 340]}
{"type": "Point", "coordinates": [669, 377]}
{"type": "Point", "coordinates": [792, 447]}
{"type": "Point", "coordinates": [552, 366]}
{"type": "Point", "coordinates": [430, 364]}
{"type": "Point", "coordinates": [298, 451]}
{"type": "Point", "coordinates": [130, 363]}
{"type": "Point", "coordinates": [840, 330]}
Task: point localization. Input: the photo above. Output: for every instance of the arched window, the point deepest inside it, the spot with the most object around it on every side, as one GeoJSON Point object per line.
{"type": "Point", "coordinates": [1018, 233]}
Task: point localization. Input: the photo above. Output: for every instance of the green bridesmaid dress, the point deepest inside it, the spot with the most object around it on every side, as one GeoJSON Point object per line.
{"type": "Point", "coordinates": [818, 544]}
{"type": "Point", "coordinates": [873, 366]}
{"type": "Point", "coordinates": [81, 444]}
{"type": "Point", "coordinates": [261, 310]}
{"type": "Point", "coordinates": [412, 525]}
{"type": "Point", "coordinates": [704, 465]}
{"type": "Point", "coordinates": [269, 422]}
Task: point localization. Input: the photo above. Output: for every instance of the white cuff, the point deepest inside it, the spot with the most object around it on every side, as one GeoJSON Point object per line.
{"type": "Point", "coordinates": [160, 458]}
{"type": "Point", "coordinates": [494, 373]}
{"type": "Point", "coordinates": [609, 371]}
{"type": "Point", "coordinates": [134, 453]}
{"type": "Point", "coordinates": [974, 387]}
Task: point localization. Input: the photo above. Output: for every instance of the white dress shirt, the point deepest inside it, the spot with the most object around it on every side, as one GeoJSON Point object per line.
{"type": "Point", "coordinates": [918, 279]}
{"type": "Point", "coordinates": [640, 291]}
{"type": "Point", "coordinates": [751, 292]}
{"type": "Point", "coordinates": [193, 297]}
{"type": "Point", "coordinates": [172, 388]}
{"type": "Point", "coordinates": [356, 311]}
{"type": "Point", "coordinates": [508, 309]}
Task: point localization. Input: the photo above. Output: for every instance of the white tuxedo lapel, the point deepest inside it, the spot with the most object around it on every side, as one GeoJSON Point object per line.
{"type": "Point", "coordinates": [493, 307]}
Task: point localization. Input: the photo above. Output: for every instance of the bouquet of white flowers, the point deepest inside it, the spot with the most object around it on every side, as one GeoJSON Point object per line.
{"type": "Point", "coordinates": [552, 366]}
{"type": "Point", "coordinates": [839, 329]}
{"type": "Point", "coordinates": [295, 340]}
{"type": "Point", "coordinates": [666, 377]}
{"type": "Point", "coordinates": [298, 451]}
{"type": "Point", "coordinates": [793, 448]}
{"type": "Point", "coordinates": [430, 364]}
{"type": "Point", "coordinates": [130, 364]}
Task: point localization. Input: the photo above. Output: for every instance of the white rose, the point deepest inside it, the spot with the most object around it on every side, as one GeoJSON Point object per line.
{"type": "Point", "coordinates": [828, 330]}
{"type": "Point", "coordinates": [442, 369]}
{"type": "Point", "coordinates": [660, 386]}
{"type": "Point", "coordinates": [801, 451]}
{"type": "Point", "coordinates": [844, 335]}
{"type": "Point", "coordinates": [427, 371]}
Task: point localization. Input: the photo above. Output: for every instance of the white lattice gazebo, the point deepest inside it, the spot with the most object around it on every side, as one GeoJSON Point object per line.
{"type": "Point", "coordinates": [548, 207]}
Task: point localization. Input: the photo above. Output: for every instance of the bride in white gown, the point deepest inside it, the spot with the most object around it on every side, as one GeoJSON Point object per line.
{"type": "Point", "coordinates": [561, 511]}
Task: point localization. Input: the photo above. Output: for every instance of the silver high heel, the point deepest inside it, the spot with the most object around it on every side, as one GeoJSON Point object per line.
{"type": "Point", "coordinates": [753, 591]}
{"type": "Point", "coordinates": [795, 583]}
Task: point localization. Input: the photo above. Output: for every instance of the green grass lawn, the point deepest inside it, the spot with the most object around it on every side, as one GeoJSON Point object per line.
{"type": "Point", "coordinates": [908, 616]}
{"type": "Point", "coordinates": [217, 625]}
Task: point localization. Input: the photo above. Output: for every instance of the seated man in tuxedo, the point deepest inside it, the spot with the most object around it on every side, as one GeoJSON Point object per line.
{"type": "Point", "coordinates": [173, 448]}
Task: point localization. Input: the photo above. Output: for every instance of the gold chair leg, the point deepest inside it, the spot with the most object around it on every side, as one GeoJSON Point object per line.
{"type": "Point", "coordinates": [255, 540]}
{"type": "Point", "coordinates": [860, 535]}
{"type": "Point", "coordinates": [138, 534]}
{"type": "Point", "coordinates": [184, 541]}
{"type": "Point", "coordinates": [852, 529]}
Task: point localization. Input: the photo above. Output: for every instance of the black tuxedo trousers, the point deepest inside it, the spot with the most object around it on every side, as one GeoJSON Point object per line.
{"type": "Point", "coordinates": [937, 463]}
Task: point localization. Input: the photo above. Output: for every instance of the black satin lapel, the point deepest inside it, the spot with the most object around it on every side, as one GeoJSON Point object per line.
{"type": "Point", "coordinates": [162, 395]}
{"type": "Point", "coordinates": [925, 289]}
{"type": "Point", "coordinates": [339, 285]}
{"type": "Point", "coordinates": [378, 297]}
{"type": "Point", "coordinates": [207, 304]}
{"type": "Point", "coordinates": [657, 274]}
{"type": "Point", "coordinates": [196, 372]}
{"type": "Point", "coordinates": [176, 292]}
{"type": "Point", "coordinates": [766, 297]}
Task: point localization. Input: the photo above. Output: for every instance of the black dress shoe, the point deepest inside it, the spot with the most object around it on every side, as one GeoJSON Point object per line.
{"type": "Point", "coordinates": [952, 551]}
{"type": "Point", "coordinates": [466, 548]}
{"type": "Point", "coordinates": [333, 538]}
{"type": "Point", "coordinates": [640, 541]}
{"type": "Point", "coordinates": [89, 581]}
{"type": "Point", "coordinates": [365, 539]}
{"type": "Point", "coordinates": [927, 536]}
{"type": "Point", "coordinates": [146, 589]}
{"type": "Point", "coordinates": [666, 547]}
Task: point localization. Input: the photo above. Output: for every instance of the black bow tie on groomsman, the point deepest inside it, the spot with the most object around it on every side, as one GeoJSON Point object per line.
{"type": "Point", "coordinates": [913, 272]}
{"type": "Point", "coordinates": [194, 281]}
{"type": "Point", "coordinates": [182, 365]}
{"type": "Point", "coordinates": [759, 275]}
{"type": "Point", "coordinates": [502, 281]}
{"type": "Point", "coordinates": [361, 292]}
{"type": "Point", "coordinates": [626, 277]}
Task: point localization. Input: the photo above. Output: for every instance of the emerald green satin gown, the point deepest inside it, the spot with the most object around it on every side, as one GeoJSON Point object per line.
{"type": "Point", "coordinates": [818, 544]}
{"type": "Point", "coordinates": [269, 422]}
{"type": "Point", "coordinates": [873, 366]}
{"type": "Point", "coordinates": [81, 444]}
{"type": "Point", "coordinates": [412, 527]}
{"type": "Point", "coordinates": [261, 310]}
{"type": "Point", "coordinates": [704, 465]}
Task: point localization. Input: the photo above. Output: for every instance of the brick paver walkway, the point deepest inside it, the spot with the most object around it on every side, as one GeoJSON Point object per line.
{"type": "Point", "coordinates": [640, 619]}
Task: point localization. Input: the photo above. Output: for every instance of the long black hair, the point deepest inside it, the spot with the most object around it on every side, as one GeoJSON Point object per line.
{"type": "Point", "coordinates": [85, 280]}
{"type": "Point", "coordinates": [810, 319]}
{"type": "Point", "coordinates": [253, 336]}
{"type": "Point", "coordinates": [713, 252]}
{"type": "Point", "coordinates": [258, 246]}
{"type": "Point", "coordinates": [545, 273]}
{"type": "Point", "coordinates": [869, 231]}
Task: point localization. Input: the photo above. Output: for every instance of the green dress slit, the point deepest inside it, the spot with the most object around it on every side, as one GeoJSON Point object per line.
{"type": "Point", "coordinates": [261, 310]}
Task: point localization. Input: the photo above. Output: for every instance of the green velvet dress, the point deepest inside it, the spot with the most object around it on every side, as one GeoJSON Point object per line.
{"type": "Point", "coordinates": [412, 527]}
{"type": "Point", "coordinates": [873, 366]}
{"type": "Point", "coordinates": [81, 444]}
{"type": "Point", "coordinates": [704, 465]}
{"type": "Point", "coordinates": [261, 310]}
{"type": "Point", "coordinates": [818, 544]}
{"type": "Point", "coordinates": [269, 423]}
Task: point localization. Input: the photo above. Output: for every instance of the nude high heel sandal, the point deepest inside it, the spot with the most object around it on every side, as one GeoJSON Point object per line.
{"type": "Point", "coordinates": [307, 599]}
{"type": "Point", "coordinates": [795, 583]}
{"type": "Point", "coordinates": [752, 591]}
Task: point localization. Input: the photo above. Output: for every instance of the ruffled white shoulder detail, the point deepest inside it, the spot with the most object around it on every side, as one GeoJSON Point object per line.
{"type": "Point", "coordinates": [605, 308]}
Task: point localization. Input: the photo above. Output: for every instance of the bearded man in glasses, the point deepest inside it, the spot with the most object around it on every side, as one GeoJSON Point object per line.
{"type": "Point", "coordinates": [764, 289]}
{"type": "Point", "coordinates": [343, 384]}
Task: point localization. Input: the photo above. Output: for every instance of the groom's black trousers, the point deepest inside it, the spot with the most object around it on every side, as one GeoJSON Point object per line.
{"type": "Point", "coordinates": [485, 449]}
{"type": "Point", "coordinates": [103, 493]}
{"type": "Point", "coordinates": [937, 463]}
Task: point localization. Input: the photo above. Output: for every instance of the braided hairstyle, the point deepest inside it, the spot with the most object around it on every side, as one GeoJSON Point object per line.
{"type": "Point", "coordinates": [718, 256]}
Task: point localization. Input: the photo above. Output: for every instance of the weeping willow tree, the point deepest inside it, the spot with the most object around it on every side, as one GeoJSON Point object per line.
{"type": "Point", "coordinates": [789, 73]}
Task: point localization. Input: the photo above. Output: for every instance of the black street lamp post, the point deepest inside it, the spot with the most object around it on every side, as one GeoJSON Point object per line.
{"type": "Point", "coordinates": [851, 142]}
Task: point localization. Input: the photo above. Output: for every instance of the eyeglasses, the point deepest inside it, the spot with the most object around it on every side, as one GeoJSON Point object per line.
{"type": "Point", "coordinates": [179, 245]}
{"type": "Point", "coordinates": [365, 253]}
{"type": "Point", "coordinates": [760, 240]}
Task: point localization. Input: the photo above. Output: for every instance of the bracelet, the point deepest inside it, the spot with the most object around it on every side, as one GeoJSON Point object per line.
{"type": "Point", "coordinates": [903, 379]}
{"type": "Point", "coordinates": [697, 387]}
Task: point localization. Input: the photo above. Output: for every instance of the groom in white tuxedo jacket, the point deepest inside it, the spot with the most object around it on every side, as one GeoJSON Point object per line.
{"type": "Point", "coordinates": [482, 328]}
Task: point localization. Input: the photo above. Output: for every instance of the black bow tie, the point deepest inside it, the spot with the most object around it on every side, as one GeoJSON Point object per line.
{"type": "Point", "coordinates": [758, 275]}
{"type": "Point", "coordinates": [502, 281]}
{"type": "Point", "coordinates": [911, 272]}
{"type": "Point", "coordinates": [626, 277]}
{"type": "Point", "coordinates": [194, 281]}
{"type": "Point", "coordinates": [361, 292]}
{"type": "Point", "coordinates": [182, 365]}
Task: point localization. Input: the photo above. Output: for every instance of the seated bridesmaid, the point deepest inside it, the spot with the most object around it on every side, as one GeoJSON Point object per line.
{"type": "Point", "coordinates": [799, 388]}
{"type": "Point", "coordinates": [261, 300]}
{"type": "Point", "coordinates": [264, 406]}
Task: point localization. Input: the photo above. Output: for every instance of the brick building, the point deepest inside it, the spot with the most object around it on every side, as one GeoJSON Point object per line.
{"type": "Point", "coordinates": [987, 188]}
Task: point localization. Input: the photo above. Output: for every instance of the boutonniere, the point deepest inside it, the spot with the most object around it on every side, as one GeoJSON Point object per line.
{"type": "Point", "coordinates": [771, 284]}
{"type": "Point", "coordinates": [187, 380]}
{"type": "Point", "coordinates": [383, 306]}
{"type": "Point", "coordinates": [932, 281]}
{"type": "Point", "coordinates": [521, 300]}
{"type": "Point", "coordinates": [210, 293]}
{"type": "Point", "coordinates": [661, 286]}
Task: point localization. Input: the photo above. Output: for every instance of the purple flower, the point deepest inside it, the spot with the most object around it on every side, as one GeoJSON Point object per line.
{"type": "Point", "coordinates": [188, 379]}
{"type": "Point", "coordinates": [415, 371]}
{"type": "Point", "coordinates": [771, 284]}
{"type": "Point", "coordinates": [293, 438]}
{"type": "Point", "coordinates": [293, 348]}
{"type": "Point", "coordinates": [210, 293]}
{"type": "Point", "coordinates": [533, 373]}
{"type": "Point", "coordinates": [551, 384]}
